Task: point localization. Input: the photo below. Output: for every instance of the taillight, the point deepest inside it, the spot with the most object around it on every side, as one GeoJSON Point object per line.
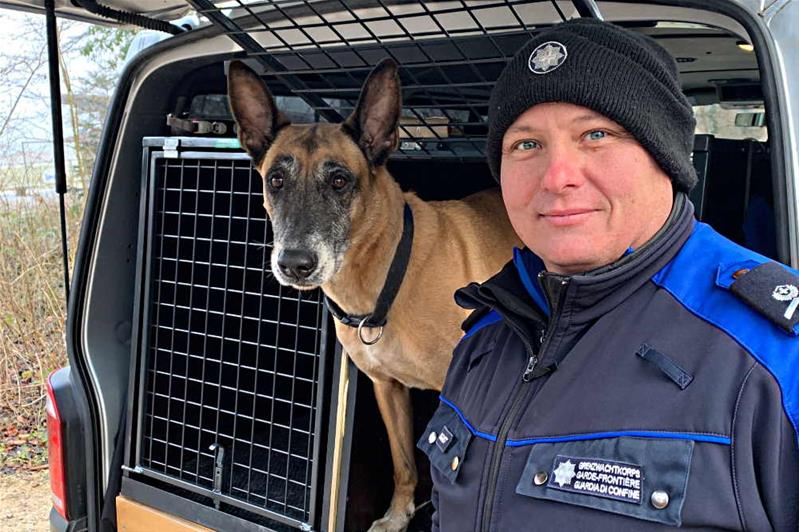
{"type": "Point", "coordinates": [55, 452]}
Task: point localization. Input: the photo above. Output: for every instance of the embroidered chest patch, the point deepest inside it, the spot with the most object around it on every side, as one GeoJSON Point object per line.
{"type": "Point", "coordinates": [601, 478]}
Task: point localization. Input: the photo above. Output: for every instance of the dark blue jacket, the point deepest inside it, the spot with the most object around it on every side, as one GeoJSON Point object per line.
{"type": "Point", "coordinates": [645, 394]}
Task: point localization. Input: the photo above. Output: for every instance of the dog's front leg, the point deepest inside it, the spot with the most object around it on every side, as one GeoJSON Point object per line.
{"type": "Point", "coordinates": [394, 401]}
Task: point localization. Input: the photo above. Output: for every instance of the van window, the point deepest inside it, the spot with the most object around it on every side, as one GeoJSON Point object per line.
{"type": "Point", "coordinates": [726, 123]}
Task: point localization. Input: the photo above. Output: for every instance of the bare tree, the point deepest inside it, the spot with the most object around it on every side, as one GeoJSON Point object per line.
{"type": "Point", "coordinates": [22, 75]}
{"type": "Point", "coordinates": [104, 48]}
{"type": "Point", "coordinates": [68, 97]}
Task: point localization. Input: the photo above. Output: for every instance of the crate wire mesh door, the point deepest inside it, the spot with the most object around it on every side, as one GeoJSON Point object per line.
{"type": "Point", "coordinates": [230, 393]}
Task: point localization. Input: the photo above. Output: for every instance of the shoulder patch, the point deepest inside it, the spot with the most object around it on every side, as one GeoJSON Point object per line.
{"type": "Point", "coordinates": [771, 290]}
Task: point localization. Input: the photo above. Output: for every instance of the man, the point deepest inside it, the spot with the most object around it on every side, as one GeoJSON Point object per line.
{"type": "Point", "coordinates": [632, 369]}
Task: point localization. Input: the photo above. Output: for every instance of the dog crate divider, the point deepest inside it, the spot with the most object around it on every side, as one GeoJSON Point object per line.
{"type": "Point", "coordinates": [450, 55]}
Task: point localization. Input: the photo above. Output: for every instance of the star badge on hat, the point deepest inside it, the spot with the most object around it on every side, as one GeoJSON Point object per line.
{"type": "Point", "coordinates": [547, 57]}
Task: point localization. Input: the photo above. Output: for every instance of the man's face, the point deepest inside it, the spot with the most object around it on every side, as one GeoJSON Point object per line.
{"type": "Point", "coordinates": [578, 188]}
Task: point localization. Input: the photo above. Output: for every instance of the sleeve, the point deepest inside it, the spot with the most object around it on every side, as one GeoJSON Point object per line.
{"type": "Point", "coordinates": [765, 456]}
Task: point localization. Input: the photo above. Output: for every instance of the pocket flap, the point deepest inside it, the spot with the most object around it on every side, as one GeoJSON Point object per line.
{"type": "Point", "coordinates": [644, 478]}
{"type": "Point", "coordinates": [445, 441]}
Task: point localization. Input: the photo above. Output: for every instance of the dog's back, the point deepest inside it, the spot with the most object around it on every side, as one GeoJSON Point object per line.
{"type": "Point", "coordinates": [479, 232]}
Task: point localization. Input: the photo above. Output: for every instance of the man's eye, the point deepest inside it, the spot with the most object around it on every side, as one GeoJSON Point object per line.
{"type": "Point", "coordinates": [596, 135]}
{"type": "Point", "coordinates": [525, 145]}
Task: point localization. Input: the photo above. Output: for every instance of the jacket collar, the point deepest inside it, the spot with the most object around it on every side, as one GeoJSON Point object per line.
{"type": "Point", "coordinates": [520, 292]}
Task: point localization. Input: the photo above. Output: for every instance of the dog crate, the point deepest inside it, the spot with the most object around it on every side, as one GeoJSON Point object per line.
{"type": "Point", "coordinates": [232, 369]}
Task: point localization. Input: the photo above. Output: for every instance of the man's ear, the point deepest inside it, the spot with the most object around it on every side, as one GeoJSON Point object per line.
{"type": "Point", "coordinates": [374, 122]}
{"type": "Point", "coordinates": [254, 110]}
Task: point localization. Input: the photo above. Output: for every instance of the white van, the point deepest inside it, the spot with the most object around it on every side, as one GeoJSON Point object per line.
{"type": "Point", "coordinates": [203, 395]}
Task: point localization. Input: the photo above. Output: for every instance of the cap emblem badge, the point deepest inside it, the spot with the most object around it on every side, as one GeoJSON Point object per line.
{"type": "Point", "coordinates": [547, 57]}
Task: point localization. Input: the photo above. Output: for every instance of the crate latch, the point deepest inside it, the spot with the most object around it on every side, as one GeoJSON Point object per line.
{"type": "Point", "coordinates": [171, 146]}
{"type": "Point", "coordinates": [219, 458]}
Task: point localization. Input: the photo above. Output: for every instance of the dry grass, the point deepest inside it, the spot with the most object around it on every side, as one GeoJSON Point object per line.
{"type": "Point", "coordinates": [32, 318]}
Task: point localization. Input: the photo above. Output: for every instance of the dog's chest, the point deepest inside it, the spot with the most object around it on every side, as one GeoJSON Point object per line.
{"type": "Point", "coordinates": [373, 359]}
{"type": "Point", "coordinates": [384, 360]}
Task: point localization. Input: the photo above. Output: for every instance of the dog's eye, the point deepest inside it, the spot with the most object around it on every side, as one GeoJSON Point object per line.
{"type": "Point", "coordinates": [338, 181]}
{"type": "Point", "coordinates": [276, 181]}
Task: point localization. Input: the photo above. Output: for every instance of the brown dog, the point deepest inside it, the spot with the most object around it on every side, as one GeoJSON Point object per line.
{"type": "Point", "coordinates": [337, 216]}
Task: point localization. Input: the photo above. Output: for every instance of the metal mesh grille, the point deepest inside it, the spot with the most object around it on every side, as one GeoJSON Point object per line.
{"type": "Point", "coordinates": [451, 54]}
{"type": "Point", "coordinates": [233, 358]}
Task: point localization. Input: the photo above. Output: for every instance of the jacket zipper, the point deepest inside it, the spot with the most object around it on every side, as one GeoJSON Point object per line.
{"type": "Point", "coordinates": [513, 411]}
{"type": "Point", "coordinates": [527, 376]}
{"type": "Point", "coordinates": [502, 436]}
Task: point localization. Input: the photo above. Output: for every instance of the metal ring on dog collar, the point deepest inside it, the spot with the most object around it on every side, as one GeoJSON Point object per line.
{"type": "Point", "coordinates": [360, 333]}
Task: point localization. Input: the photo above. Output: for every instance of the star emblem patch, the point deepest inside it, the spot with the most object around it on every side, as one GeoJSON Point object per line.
{"type": "Point", "coordinates": [564, 473]}
{"type": "Point", "coordinates": [547, 57]}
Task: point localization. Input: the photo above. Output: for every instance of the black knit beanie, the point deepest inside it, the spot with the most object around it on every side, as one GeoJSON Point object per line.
{"type": "Point", "coordinates": [621, 74]}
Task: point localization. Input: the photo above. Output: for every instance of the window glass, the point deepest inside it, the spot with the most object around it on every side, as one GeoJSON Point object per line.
{"type": "Point", "coordinates": [737, 123]}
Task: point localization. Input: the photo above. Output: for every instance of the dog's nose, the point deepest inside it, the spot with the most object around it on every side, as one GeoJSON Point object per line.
{"type": "Point", "coordinates": [296, 263]}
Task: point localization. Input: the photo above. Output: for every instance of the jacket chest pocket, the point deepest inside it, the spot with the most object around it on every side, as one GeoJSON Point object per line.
{"type": "Point", "coordinates": [645, 478]}
{"type": "Point", "coordinates": [445, 441]}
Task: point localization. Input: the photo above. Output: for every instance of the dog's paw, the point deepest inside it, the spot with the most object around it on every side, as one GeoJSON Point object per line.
{"type": "Point", "coordinates": [394, 520]}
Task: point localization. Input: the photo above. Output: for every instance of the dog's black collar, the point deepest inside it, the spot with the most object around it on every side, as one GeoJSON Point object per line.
{"type": "Point", "coordinates": [396, 273]}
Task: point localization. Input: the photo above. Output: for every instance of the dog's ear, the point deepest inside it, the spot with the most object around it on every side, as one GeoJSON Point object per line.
{"type": "Point", "coordinates": [374, 122]}
{"type": "Point", "coordinates": [254, 110]}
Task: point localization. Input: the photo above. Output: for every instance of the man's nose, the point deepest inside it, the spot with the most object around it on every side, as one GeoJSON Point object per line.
{"type": "Point", "coordinates": [564, 168]}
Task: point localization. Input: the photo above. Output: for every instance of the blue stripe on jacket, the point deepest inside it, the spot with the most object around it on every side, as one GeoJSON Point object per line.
{"type": "Point", "coordinates": [655, 434]}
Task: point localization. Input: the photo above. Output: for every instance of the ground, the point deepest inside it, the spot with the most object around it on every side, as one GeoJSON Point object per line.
{"type": "Point", "coordinates": [25, 501]}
